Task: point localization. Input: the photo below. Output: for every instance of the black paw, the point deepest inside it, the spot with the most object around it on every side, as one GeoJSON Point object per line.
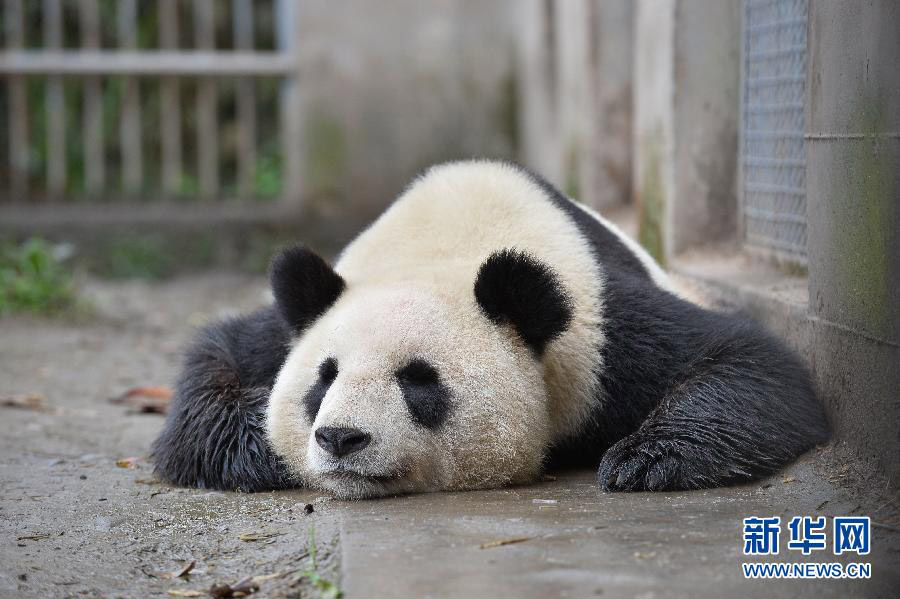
{"type": "Point", "coordinates": [641, 463]}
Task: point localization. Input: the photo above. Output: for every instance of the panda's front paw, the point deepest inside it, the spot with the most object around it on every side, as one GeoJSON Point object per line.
{"type": "Point", "coordinates": [640, 462]}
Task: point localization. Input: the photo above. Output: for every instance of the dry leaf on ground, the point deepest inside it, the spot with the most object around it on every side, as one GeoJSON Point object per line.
{"type": "Point", "coordinates": [239, 589]}
{"type": "Point", "coordinates": [26, 401]}
{"type": "Point", "coordinates": [146, 400]}
{"type": "Point", "coordinates": [502, 542]}
{"type": "Point", "coordinates": [259, 536]}
{"type": "Point", "coordinates": [183, 571]}
{"type": "Point", "coordinates": [34, 537]}
{"type": "Point", "coordinates": [128, 462]}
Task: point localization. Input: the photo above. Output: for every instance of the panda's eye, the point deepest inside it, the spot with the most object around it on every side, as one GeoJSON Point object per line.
{"type": "Point", "coordinates": [328, 371]}
{"type": "Point", "coordinates": [426, 397]}
{"type": "Point", "coordinates": [418, 372]}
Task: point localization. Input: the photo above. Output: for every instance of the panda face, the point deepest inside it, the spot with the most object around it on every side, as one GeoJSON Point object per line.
{"type": "Point", "coordinates": [404, 389]}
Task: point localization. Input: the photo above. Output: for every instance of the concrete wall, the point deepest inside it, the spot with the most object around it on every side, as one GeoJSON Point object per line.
{"type": "Point", "coordinates": [853, 204]}
{"type": "Point", "coordinates": [707, 112]}
{"type": "Point", "coordinates": [686, 109]}
{"type": "Point", "coordinates": [574, 95]}
{"type": "Point", "coordinates": [536, 68]}
{"type": "Point", "coordinates": [575, 70]}
{"type": "Point", "coordinates": [654, 123]}
{"type": "Point", "coordinates": [609, 170]}
{"type": "Point", "coordinates": [389, 88]}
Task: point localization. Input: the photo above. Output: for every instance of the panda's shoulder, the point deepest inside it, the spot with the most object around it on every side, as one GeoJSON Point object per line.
{"type": "Point", "coordinates": [611, 247]}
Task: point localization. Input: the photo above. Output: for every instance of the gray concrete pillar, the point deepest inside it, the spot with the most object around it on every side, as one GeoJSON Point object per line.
{"type": "Point", "coordinates": [853, 206]}
{"type": "Point", "coordinates": [654, 123]}
{"type": "Point", "coordinates": [536, 73]}
{"type": "Point", "coordinates": [686, 112]}
{"type": "Point", "coordinates": [608, 173]}
{"type": "Point", "coordinates": [575, 74]}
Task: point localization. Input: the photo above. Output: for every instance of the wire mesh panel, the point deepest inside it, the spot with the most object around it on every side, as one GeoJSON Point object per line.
{"type": "Point", "coordinates": [773, 156]}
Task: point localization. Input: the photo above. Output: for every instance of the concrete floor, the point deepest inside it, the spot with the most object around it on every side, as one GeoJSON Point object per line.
{"type": "Point", "coordinates": [74, 524]}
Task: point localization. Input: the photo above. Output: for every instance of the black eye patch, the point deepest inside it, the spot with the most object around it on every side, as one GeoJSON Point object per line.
{"type": "Point", "coordinates": [418, 372]}
{"type": "Point", "coordinates": [427, 399]}
{"type": "Point", "coordinates": [328, 370]}
{"type": "Point", "coordinates": [312, 401]}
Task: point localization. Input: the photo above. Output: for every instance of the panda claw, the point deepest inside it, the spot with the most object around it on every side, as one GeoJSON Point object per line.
{"type": "Point", "coordinates": [630, 473]}
{"type": "Point", "coordinates": [662, 475]}
{"type": "Point", "coordinates": [637, 465]}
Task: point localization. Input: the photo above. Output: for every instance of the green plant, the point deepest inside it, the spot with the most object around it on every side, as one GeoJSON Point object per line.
{"type": "Point", "coordinates": [136, 257]}
{"type": "Point", "coordinates": [327, 589]}
{"type": "Point", "coordinates": [268, 175]}
{"type": "Point", "coordinates": [32, 279]}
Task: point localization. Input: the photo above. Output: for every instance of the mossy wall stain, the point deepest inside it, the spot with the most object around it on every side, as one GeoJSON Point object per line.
{"type": "Point", "coordinates": [572, 181]}
{"type": "Point", "coordinates": [866, 238]}
{"type": "Point", "coordinates": [508, 113]}
{"type": "Point", "coordinates": [652, 200]}
{"type": "Point", "coordinates": [327, 159]}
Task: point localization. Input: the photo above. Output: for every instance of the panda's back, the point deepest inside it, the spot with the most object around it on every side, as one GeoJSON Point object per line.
{"type": "Point", "coordinates": [455, 215]}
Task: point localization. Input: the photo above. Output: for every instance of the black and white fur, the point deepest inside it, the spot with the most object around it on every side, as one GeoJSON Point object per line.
{"type": "Point", "coordinates": [482, 329]}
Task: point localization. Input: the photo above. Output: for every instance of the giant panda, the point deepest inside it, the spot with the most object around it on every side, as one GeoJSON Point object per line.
{"type": "Point", "coordinates": [483, 329]}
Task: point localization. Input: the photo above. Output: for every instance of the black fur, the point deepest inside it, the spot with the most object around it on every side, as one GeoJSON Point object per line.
{"type": "Point", "coordinates": [213, 436]}
{"type": "Point", "coordinates": [304, 286]}
{"type": "Point", "coordinates": [688, 398]}
{"type": "Point", "coordinates": [427, 399]}
{"type": "Point", "coordinates": [514, 287]}
{"type": "Point", "coordinates": [312, 401]}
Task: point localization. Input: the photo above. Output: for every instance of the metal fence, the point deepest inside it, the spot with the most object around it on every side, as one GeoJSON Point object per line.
{"type": "Point", "coordinates": [773, 162]}
{"type": "Point", "coordinates": [81, 78]}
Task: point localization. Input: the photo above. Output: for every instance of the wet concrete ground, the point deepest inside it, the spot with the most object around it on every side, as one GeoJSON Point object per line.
{"type": "Point", "coordinates": [74, 524]}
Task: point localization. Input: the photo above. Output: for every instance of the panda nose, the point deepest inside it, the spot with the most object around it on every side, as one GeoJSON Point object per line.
{"type": "Point", "coordinates": [339, 441]}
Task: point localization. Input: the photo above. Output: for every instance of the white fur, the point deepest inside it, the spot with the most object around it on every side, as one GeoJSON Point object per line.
{"type": "Point", "coordinates": [409, 294]}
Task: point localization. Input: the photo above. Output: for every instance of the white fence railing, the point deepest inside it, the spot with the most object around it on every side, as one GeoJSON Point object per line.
{"type": "Point", "coordinates": [90, 63]}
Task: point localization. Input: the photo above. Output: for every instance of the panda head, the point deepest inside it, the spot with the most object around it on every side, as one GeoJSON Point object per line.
{"type": "Point", "coordinates": [409, 387]}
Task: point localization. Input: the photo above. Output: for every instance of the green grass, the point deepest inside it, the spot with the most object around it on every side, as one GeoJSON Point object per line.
{"type": "Point", "coordinates": [326, 588]}
{"type": "Point", "coordinates": [146, 258]}
{"type": "Point", "coordinates": [33, 280]}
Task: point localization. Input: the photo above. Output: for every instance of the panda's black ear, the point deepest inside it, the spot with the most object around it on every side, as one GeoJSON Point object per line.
{"type": "Point", "coordinates": [517, 288]}
{"type": "Point", "coordinates": [304, 286]}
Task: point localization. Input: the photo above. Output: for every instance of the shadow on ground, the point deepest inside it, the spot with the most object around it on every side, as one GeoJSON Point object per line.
{"type": "Point", "coordinates": [74, 524]}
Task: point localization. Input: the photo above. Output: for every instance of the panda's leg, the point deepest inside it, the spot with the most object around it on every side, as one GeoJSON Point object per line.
{"type": "Point", "coordinates": [214, 435]}
{"type": "Point", "coordinates": [743, 407]}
